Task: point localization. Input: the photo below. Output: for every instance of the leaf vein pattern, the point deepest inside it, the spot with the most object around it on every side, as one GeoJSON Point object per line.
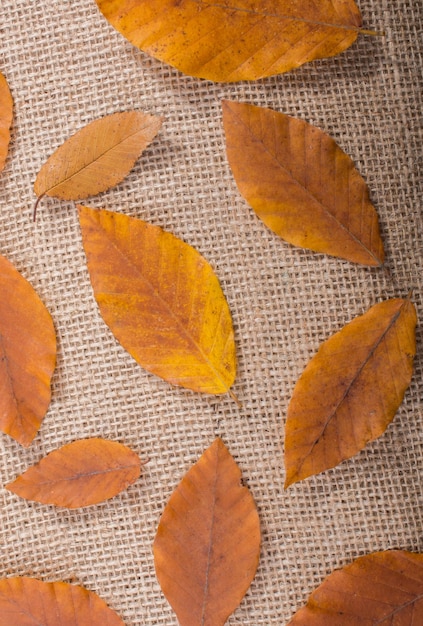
{"type": "Point", "coordinates": [164, 303]}
{"type": "Point", "coordinates": [354, 378]}
{"type": "Point", "coordinates": [308, 192]}
{"type": "Point", "coordinates": [278, 16]}
{"type": "Point", "coordinates": [94, 160]}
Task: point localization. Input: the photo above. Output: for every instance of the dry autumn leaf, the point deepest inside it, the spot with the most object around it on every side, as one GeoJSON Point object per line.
{"type": "Point", "coordinates": [207, 546]}
{"type": "Point", "coordinates": [235, 40]}
{"type": "Point", "coordinates": [383, 588]}
{"type": "Point", "coordinates": [27, 356]}
{"type": "Point", "coordinates": [350, 390]}
{"type": "Point", "coordinates": [97, 157]}
{"type": "Point", "coordinates": [81, 473]}
{"type": "Point", "coordinates": [301, 184]}
{"type": "Point", "coordinates": [29, 602]}
{"type": "Point", "coordinates": [161, 299]}
{"type": "Point", "coordinates": [6, 113]}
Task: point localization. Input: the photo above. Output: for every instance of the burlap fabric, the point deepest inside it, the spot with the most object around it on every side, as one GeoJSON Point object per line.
{"type": "Point", "coordinates": [67, 66]}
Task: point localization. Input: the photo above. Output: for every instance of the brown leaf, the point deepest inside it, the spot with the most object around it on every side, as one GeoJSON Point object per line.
{"type": "Point", "coordinates": [29, 602]}
{"type": "Point", "coordinates": [27, 356]}
{"type": "Point", "coordinates": [97, 157]}
{"type": "Point", "coordinates": [235, 40]}
{"type": "Point", "coordinates": [79, 474]}
{"type": "Point", "coordinates": [301, 184]}
{"type": "Point", "coordinates": [383, 588]}
{"type": "Point", "coordinates": [207, 546]}
{"type": "Point", "coordinates": [6, 114]}
{"type": "Point", "coordinates": [161, 300]}
{"type": "Point", "coordinates": [350, 390]}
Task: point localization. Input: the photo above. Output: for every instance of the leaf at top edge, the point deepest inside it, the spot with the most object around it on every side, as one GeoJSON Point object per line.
{"type": "Point", "coordinates": [78, 474]}
{"type": "Point", "coordinates": [28, 601]}
{"type": "Point", "coordinates": [97, 157]}
{"type": "Point", "coordinates": [161, 299]}
{"type": "Point", "coordinates": [301, 184]}
{"type": "Point", "coordinates": [350, 390]}
{"type": "Point", "coordinates": [379, 589]}
{"type": "Point", "coordinates": [27, 356]}
{"type": "Point", "coordinates": [237, 39]}
{"type": "Point", "coordinates": [6, 115]}
{"type": "Point", "coordinates": [207, 546]}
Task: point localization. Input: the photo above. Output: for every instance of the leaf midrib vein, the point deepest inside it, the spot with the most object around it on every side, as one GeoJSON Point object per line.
{"type": "Point", "coordinates": [265, 14]}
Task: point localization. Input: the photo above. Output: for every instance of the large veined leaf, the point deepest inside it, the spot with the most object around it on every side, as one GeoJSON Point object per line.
{"type": "Point", "coordinates": [207, 545]}
{"type": "Point", "coordinates": [81, 473]}
{"type": "Point", "coordinates": [161, 299]}
{"type": "Point", "coordinates": [27, 356]}
{"type": "Point", "coordinates": [301, 184]}
{"type": "Point", "coordinates": [97, 157]}
{"type": "Point", "coordinates": [380, 589]}
{"type": "Point", "coordinates": [351, 389]}
{"type": "Point", "coordinates": [6, 114]}
{"type": "Point", "coordinates": [231, 40]}
{"type": "Point", "coordinates": [30, 602]}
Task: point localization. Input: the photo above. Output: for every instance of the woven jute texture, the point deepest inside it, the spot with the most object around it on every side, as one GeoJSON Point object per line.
{"type": "Point", "coordinates": [66, 66]}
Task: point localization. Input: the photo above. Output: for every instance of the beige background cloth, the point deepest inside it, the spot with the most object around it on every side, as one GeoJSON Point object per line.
{"type": "Point", "coordinates": [66, 66]}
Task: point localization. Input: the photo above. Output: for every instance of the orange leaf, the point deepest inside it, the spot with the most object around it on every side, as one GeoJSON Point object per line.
{"type": "Point", "coordinates": [6, 113]}
{"type": "Point", "coordinates": [27, 356]}
{"type": "Point", "coordinates": [301, 184]}
{"type": "Point", "coordinates": [237, 39]}
{"type": "Point", "coordinates": [161, 300]}
{"type": "Point", "coordinates": [207, 546]}
{"type": "Point", "coordinates": [79, 474]}
{"type": "Point", "coordinates": [350, 390]}
{"type": "Point", "coordinates": [28, 601]}
{"type": "Point", "coordinates": [383, 588]}
{"type": "Point", "coordinates": [97, 157]}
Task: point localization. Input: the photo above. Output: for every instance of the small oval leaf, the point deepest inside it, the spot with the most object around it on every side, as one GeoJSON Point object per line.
{"type": "Point", "coordinates": [97, 157]}
{"type": "Point", "coordinates": [207, 545]}
{"type": "Point", "coordinates": [27, 601]}
{"type": "Point", "coordinates": [301, 184]}
{"type": "Point", "coordinates": [81, 473]}
{"type": "Point", "coordinates": [6, 115]}
{"type": "Point", "coordinates": [161, 299]}
{"type": "Point", "coordinates": [27, 356]}
{"type": "Point", "coordinates": [383, 588]}
{"type": "Point", "coordinates": [238, 39]}
{"type": "Point", "coordinates": [350, 390]}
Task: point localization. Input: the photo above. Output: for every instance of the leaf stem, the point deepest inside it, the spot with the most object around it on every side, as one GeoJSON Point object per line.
{"type": "Point", "coordinates": [34, 210]}
{"type": "Point", "coordinates": [235, 399]}
{"type": "Point", "coordinates": [372, 33]}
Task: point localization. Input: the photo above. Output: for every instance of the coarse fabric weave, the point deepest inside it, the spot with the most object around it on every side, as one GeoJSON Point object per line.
{"type": "Point", "coordinates": [66, 66]}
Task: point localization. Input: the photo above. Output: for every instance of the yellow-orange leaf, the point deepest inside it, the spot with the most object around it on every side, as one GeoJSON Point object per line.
{"type": "Point", "coordinates": [6, 113]}
{"type": "Point", "coordinates": [161, 299]}
{"type": "Point", "coordinates": [79, 474]}
{"type": "Point", "coordinates": [29, 602]}
{"type": "Point", "coordinates": [380, 589]}
{"type": "Point", "coordinates": [27, 356]}
{"type": "Point", "coordinates": [350, 390]}
{"type": "Point", "coordinates": [234, 40]}
{"type": "Point", "coordinates": [207, 546]}
{"type": "Point", "coordinates": [97, 157]}
{"type": "Point", "coordinates": [301, 184]}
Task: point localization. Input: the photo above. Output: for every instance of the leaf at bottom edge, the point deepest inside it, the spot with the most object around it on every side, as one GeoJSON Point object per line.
{"type": "Point", "coordinates": [207, 545]}
{"type": "Point", "coordinates": [380, 589]}
{"type": "Point", "coordinates": [27, 601]}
